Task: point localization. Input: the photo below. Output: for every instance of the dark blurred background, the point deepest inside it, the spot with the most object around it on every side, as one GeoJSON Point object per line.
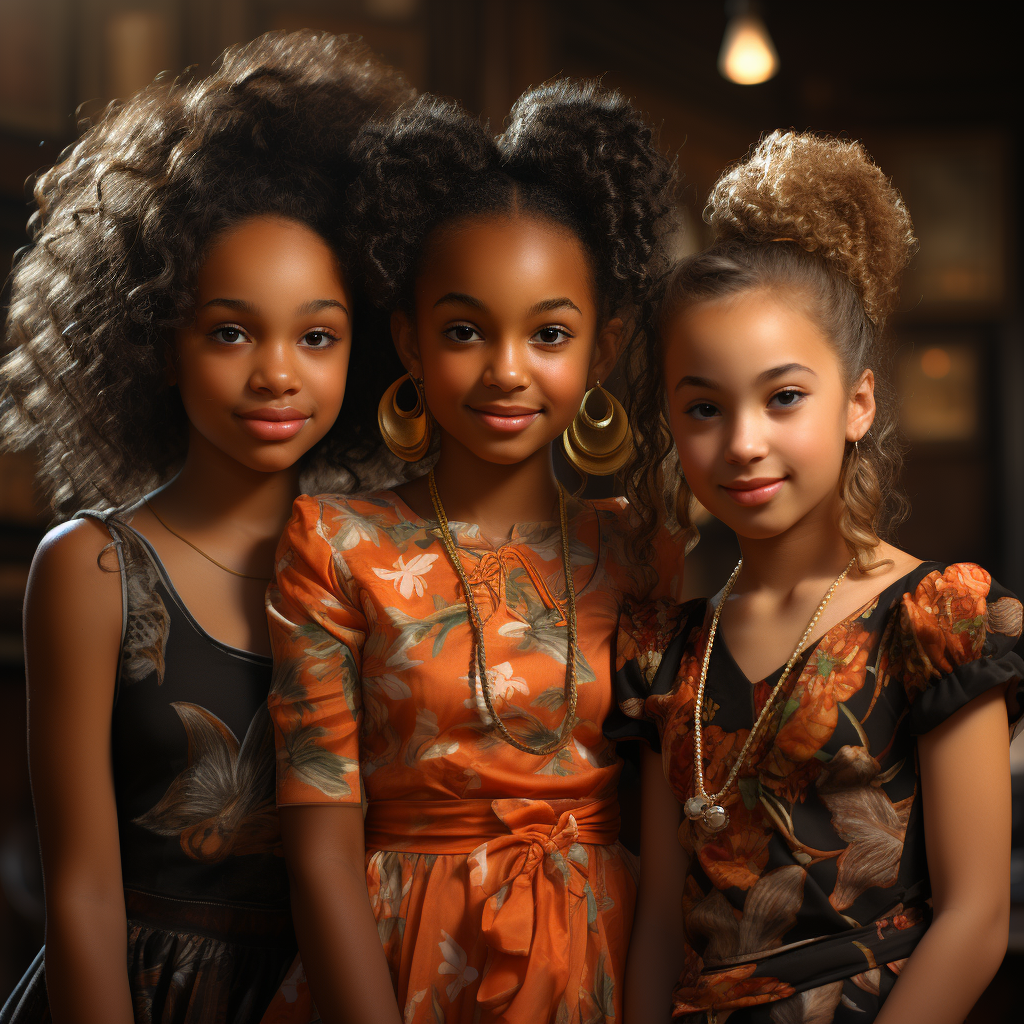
{"type": "Point", "coordinates": [927, 87]}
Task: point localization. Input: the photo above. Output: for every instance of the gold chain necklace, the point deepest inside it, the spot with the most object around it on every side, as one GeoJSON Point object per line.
{"type": "Point", "coordinates": [478, 658]}
{"type": "Point", "coordinates": [209, 558]}
{"type": "Point", "coordinates": [706, 806]}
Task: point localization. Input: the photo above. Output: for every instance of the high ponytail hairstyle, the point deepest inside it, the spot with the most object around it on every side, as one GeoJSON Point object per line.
{"type": "Point", "coordinates": [816, 216]}
{"type": "Point", "coordinates": [121, 228]}
{"type": "Point", "coordinates": [575, 154]}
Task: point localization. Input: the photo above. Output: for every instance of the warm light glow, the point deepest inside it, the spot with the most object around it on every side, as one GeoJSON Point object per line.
{"type": "Point", "coordinates": [748, 55]}
{"type": "Point", "coordinates": [935, 363]}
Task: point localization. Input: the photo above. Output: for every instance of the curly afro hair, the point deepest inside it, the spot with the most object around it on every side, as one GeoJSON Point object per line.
{"type": "Point", "coordinates": [573, 153]}
{"type": "Point", "coordinates": [120, 231]}
{"type": "Point", "coordinates": [816, 216]}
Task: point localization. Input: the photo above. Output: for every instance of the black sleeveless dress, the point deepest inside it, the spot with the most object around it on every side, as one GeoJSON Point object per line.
{"type": "Point", "coordinates": [206, 893]}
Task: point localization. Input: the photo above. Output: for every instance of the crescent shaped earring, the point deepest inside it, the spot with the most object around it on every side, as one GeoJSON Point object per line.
{"type": "Point", "coordinates": [406, 432]}
{"type": "Point", "coordinates": [599, 445]}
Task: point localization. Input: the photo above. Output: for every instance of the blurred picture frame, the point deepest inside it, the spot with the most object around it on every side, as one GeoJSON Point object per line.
{"type": "Point", "coordinates": [955, 186]}
{"type": "Point", "coordinates": [36, 69]}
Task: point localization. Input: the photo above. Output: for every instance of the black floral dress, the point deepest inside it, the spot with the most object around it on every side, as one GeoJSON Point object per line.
{"type": "Point", "coordinates": [808, 904]}
{"type": "Point", "coordinates": [206, 891]}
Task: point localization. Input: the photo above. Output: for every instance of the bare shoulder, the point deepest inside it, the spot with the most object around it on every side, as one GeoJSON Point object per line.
{"type": "Point", "coordinates": [896, 565]}
{"type": "Point", "coordinates": [74, 582]}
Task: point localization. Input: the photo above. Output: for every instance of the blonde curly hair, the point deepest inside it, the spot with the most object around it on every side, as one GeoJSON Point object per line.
{"type": "Point", "coordinates": [818, 216]}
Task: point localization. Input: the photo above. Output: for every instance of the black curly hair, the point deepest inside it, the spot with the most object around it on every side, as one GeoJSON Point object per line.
{"type": "Point", "coordinates": [573, 153]}
{"type": "Point", "coordinates": [122, 224]}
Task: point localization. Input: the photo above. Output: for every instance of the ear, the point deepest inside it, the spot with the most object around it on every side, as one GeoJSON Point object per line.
{"type": "Point", "coordinates": [606, 351]}
{"type": "Point", "coordinates": [403, 334]}
{"type": "Point", "coordinates": [860, 412]}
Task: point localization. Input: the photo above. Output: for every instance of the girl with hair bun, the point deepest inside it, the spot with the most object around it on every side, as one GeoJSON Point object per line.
{"type": "Point", "coordinates": [182, 321]}
{"type": "Point", "coordinates": [826, 804]}
{"type": "Point", "coordinates": [444, 649]}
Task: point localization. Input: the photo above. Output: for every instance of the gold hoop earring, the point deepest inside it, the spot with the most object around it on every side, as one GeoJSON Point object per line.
{"type": "Point", "coordinates": [599, 446]}
{"type": "Point", "coordinates": [405, 431]}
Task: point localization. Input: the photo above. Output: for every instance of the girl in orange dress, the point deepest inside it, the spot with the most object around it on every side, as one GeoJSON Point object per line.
{"type": "Point", "coordinates": [443, 651]}
{"type": "Point", "coordinates": [826, 830]}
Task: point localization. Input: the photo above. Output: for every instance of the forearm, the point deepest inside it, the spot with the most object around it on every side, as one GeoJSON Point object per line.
{"type": "Point", "coordinates": [655, 959]}
{"type": "Point", "coordinates": [341, 951]}
{"type": "Point", "coordinates": [949, 969]}
{"type": "Point", "coordinates": [87, 960]}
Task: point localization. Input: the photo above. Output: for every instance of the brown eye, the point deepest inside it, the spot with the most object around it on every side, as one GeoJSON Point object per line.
{"type": "Point", "coordinates": [463, 333]}
{"type": "Point", "coordinates": [229, 335]}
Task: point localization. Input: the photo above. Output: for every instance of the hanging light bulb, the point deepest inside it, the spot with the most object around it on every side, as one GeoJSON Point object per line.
{"type": "Point", "coordinates": [748, 56]}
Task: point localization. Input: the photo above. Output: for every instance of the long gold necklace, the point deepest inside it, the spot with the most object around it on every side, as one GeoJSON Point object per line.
{"type": "Point", "coordinates": [209, 558]}
{"type": "Point", "coordinates": [706, 806]}
{"type": "Point", "coordinates": [478, 657]}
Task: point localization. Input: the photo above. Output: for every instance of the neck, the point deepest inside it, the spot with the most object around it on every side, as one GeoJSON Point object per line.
{"type": "Point", "coordinates": [213, 489]}
{"type": "Point", "coordinates": [810, 550]}
{"type": "Point", "coordinates": [494, 495]}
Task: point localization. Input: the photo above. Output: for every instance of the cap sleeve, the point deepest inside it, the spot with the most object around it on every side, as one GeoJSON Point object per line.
{"type": "Point", "coordinates": [317, 631]}
{"type": "Point", "coordinates": [647, 636]}
{"type": "Point", "coordinates": [956, 635]}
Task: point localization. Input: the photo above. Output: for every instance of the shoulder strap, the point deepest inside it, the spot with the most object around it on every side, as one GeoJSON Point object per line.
{"type": "Point", "coordinates": [117, 541]}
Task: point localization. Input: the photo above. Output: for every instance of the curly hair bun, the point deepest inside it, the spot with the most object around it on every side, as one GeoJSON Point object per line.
{"type": "Point", "coordinates": [828, 196]}
{"type": "Point", "coordinates": [573, 152]}
{"type": "Point", "coordinates": [417, 166]}
{"type": "Point", "coordinates": [592, 145]}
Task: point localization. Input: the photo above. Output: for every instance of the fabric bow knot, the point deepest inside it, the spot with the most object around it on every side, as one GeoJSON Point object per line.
{"type": "Point", "coordinates": [537, 884]}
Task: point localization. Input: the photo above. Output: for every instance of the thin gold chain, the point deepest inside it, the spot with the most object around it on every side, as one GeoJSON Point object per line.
{"type": "Point", "coordinates": [478, 657]}
{"type": "Point", "coordinates": [698, 746]}
{"type": "Point", "coordinates": [209, 558]}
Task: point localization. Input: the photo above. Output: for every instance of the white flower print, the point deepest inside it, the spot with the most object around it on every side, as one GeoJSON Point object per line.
{"type": "Point", "coordinates": [504, 686]}
{"type": "Point", "coordinates": [455, 962]}
{"type": "Point", "coordinates": [409, 577]}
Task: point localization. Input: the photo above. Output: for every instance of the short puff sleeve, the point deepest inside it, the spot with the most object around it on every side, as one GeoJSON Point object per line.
{"type": "Point", "coordinates": [317, 631]}
{"type": "Point", "coordinates": [954, 641]}
{"type": "Point", "coordinates": [648, 651]}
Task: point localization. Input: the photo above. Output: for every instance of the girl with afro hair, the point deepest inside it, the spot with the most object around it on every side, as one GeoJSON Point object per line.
{"type": "Point", "coordinates": [443, 650]}
{"type": "Point", "coordinates": [826, 800]}
{"type": "Point", "coordinates": [179, 335]}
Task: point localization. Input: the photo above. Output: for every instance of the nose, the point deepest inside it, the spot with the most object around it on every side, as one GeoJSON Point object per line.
{"type": "Point", "coordinates": [274, 372]}
{"type": "Point", "coordinates": [746, 441]}
{"type": "Point", "coordinates": [506, 367]}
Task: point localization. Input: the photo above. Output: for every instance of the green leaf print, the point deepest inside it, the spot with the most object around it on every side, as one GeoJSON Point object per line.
{"type": "Point", "coordinates": [603, 992]}
{"type": "Point", "coordinates": [313, 765]}
{"type": "Point", "coordinates": [552, 698]}
{"type": "Point", "coordinates": [435, 1005]}
{"type": "Point", "coordinates": [287, 687]}
{"type": "Point", "coordinates": [591, 908]}
{"type": "Point", "coordinates": [414, 631]}
{"type": "Point", "coordinates": [750, 790]}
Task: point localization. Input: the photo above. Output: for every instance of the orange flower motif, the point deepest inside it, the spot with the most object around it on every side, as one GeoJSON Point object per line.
{"type": "Point", "coordinates": [834, 673]}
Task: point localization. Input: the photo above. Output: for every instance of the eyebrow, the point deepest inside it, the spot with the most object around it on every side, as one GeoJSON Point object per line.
{"type": "Point", "coordinates": [762, 378]}
{"type": "Point", "coordinates": [564, 302]}
{"type": "Point", "coordinates": [458, 299]}
{"type": "Point", "coordinates": [315, 305]}
{"type": "Point", "coordinates": [545, 306]}
{"type": "Point", "coordinates": [242, 306]}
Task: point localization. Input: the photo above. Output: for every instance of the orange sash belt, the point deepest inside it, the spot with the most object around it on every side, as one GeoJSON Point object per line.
{"type": "Point", "coordinates": [535, 905]}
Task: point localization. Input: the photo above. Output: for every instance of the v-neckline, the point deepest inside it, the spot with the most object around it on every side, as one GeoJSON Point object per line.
{"type": "Point", "coordinates": [814, 644]}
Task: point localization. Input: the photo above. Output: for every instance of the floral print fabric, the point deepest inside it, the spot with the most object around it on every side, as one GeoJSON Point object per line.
{"type": "Point", "coordinates": [499, 887]}
{"type": "Point", "coordinates": [816, 892]}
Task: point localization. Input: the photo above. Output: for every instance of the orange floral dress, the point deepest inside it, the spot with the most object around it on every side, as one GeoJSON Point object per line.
{"type": "Point", "coordinates": [807, 905]}
{"type": "Point", "coordinates": [500, 889]}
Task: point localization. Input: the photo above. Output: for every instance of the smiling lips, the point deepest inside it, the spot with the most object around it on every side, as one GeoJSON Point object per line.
{"type": "Point", "coordinates": [509, 419]}
{"type": "Point", "coordinates": [754, 492]}
{"type": "Point", "coordinates": [272, 423]}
